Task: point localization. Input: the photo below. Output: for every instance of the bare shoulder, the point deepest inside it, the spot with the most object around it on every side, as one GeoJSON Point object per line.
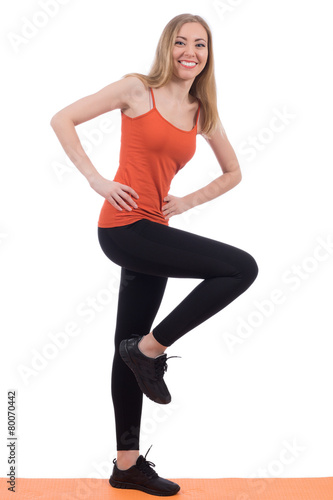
{"type": "Point", "coordinates": [214, 138]}
{"type": "Point", "coordinates": [117, 95]}
{"type": "Point", "coordinates": [135, 92]}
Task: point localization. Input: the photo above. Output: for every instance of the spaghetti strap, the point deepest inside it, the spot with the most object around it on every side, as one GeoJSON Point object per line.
{"type": "Point", "coordinates": [152, 93]}
{"type": "Point", "coordinates": [154, 106]}
{"type": "Point", "coordinates": [153, 150]}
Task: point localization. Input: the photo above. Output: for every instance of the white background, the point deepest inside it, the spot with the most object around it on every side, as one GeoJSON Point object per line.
{"type": "Point", "coordinates": [248, 401]}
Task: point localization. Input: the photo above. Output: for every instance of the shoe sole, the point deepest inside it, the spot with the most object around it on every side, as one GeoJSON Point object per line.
{"type": "Point", "coordinates": [120, 484]}
{"type": "Point", "coordinates": [125, 355]}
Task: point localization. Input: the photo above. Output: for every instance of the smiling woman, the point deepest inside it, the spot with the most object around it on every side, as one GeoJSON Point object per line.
{"type": "Point", "coordinates": [161, 115]}
{"type": "Point", "coordinates": [198, 43]}
{"type": "Point", "coordinates": [188, 39]}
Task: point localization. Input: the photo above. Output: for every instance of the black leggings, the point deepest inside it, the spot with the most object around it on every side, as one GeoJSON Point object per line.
{"type": "Point", "coordinates": [148, 253]}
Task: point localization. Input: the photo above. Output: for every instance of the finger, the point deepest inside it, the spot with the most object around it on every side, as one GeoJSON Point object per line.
{"type": "Point", "coordinates": [124, 196]}
{"type": "Point", "coordinates": [168, 211]}
{"type": "Point", "coordinates": [128, 198]}
{"type": "Point", "coordinates": [114, 203]}
{"type": "Point", "coordinates": [130, 190]}
{"type": "Point", "coordinates": [121, 202]}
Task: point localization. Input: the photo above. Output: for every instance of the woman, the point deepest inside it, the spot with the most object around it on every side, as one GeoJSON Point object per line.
{"type": "Point", "coordinates": [161, 115]}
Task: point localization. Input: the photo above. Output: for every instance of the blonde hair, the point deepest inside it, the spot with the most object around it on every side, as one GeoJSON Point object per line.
{"type": "Point", "coordinates": [204, 85]}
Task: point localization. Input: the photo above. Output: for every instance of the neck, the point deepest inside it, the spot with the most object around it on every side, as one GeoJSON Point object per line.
{"type": "Point", "coordinates": [178, 90]}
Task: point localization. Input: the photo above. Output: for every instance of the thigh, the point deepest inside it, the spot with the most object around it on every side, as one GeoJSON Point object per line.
{"type": "Point", "coordinates": [139, 299]}
{"type": "Point", "coordinates": [153, 248]}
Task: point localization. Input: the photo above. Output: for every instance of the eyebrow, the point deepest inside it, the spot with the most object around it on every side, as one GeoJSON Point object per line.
{"type": "Point", "coordinates": [196, 40]}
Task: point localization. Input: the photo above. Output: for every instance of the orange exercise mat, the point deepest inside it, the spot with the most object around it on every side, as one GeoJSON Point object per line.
{"type": "Point", "coordinates": [310, 488]}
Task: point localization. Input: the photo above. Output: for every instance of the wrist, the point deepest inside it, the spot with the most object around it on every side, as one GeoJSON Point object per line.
{"type": "Point", "coordinates": [93, 177]}
{"type": "Point", "coordinates": [190, 200]}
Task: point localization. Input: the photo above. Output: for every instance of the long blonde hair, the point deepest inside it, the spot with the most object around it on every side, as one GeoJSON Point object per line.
{"type": "Point", "coordinates": [204, 85]}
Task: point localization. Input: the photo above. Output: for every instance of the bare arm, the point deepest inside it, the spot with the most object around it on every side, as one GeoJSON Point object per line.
{"type": "Point", "coordinates": [117, 95]}
{"type": "Point", "coordinates": [231, 176]}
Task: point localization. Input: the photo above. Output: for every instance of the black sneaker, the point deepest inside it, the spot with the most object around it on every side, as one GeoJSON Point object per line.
{"type": "Point", "coordinates": [142, 477]}
{"type": "Point", "coordinates": [148, 371]}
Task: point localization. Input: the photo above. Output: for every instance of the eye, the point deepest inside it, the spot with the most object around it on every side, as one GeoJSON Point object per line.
{"type": "Point", "coordinates": [197, 45]}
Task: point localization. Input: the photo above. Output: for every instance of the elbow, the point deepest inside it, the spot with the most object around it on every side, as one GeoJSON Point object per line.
{"type": "Point", "coordinates": [56, 119]}
{"type": "Point", "coordinates": [238, 174]}
{"type": "Point", "coordinates": [53, 120]}
{"type": "Point", "coordinates": [234, 173]}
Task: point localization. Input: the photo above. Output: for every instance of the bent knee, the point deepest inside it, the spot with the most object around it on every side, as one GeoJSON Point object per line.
{"type": "Point", "coordinates": [251, 269]}
{"type": "Point", "coordinates": [248, 268]}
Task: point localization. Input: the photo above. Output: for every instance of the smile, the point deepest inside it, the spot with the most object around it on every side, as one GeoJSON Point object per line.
{"type": "Point", "coordinates": [188, 64]}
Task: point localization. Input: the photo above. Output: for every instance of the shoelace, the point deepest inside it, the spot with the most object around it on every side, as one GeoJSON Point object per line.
{"type": "Point", "coordinates": [161, 366]}
{"type": "Point", "coordinates": [146, 466]}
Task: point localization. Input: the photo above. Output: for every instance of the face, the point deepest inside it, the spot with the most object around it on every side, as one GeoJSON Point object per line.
{"type": "Point", "coordinates": [190, 51]}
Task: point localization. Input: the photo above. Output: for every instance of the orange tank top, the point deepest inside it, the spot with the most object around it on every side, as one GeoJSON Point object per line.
{"type": "Point", "coordinates": [152, 151]}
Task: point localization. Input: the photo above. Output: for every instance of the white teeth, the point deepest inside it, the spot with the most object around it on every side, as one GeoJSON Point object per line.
{"type": "Point", "coordinates": [189, 64]}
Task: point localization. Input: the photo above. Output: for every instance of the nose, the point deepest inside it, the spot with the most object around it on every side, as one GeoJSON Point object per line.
{"type": "Point", "coordinates": [189, 52]}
